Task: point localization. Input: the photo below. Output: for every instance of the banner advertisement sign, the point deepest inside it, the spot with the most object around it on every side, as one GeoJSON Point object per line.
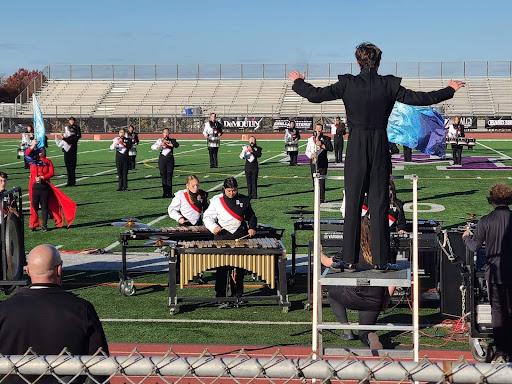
{"type": "Point", "coordinates": [498, 122]}
{"type": "Point", "coordinates": [469, 122]}
{"type": "Point", "coordinates": [242, 123]}
{"type": "Point", "coordinates": [302, 123]}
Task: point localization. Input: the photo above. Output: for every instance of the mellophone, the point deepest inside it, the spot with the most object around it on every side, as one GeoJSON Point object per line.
{"type": "Point", "coordinates": [262, 256]}
{"type": "Point", "coordinates": [470, 143]}
{"type": "Point", "coordinates": [291, 146]}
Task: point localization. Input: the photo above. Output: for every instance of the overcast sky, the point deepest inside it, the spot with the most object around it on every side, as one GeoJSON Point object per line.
{"type": "Point", "coordinates": [221, 32]}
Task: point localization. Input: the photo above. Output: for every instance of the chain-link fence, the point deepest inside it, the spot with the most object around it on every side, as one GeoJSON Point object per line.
{"type": "Point", "coordinates": [239, 367]}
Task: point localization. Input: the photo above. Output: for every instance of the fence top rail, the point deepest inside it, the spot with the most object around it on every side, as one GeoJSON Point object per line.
{"type": "Point", "coordinates": [420, 70]}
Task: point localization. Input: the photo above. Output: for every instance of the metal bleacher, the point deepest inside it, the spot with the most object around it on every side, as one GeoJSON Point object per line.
{"type": "Point", "coordinates": [238, 97]}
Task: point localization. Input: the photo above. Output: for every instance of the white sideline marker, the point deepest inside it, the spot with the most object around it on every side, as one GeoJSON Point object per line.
{"type": "Point", "coordinates": [447, 177]}
{"type": "Point", "coordinates": [147, 176]}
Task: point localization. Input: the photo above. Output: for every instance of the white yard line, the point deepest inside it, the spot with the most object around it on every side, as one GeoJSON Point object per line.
{"type": "Point", "coordinates": [504, 157]}
{"type": "Point", "coordinates": [94, 150]}
{"type": "Point", "coordinates": [206, 321]}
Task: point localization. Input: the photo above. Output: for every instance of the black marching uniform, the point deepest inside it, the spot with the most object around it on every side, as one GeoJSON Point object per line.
{"type": "Point", "coordinates": [166, 162]}
{"type": "Point", "coordinates": [135, 141]}
{"type": "Point", "coordinates": [228, 213]}
{"type": "Point", "coordinates": [251, 153]}
{"type": "Point", "coordinates": [293, 135]}
{"type": "Point", "coordinates": [495, 229]}
{"type": "Point", "coordinates": [339, 143]}
{"type": "Point", "coordinates": [407, 154]}
{"type": "Point", "coordinates": [122, 160]}
{"type": "Point", "coordinates": [368, 99]}
{"type": "Point", "coordinates": [457, 149]}
{"type": "Point", "coordinates": [213, 129]}
{"type": "Point", "coordinates": [320, 163]}
{"type": "Point", "coordinates": [70, 156]}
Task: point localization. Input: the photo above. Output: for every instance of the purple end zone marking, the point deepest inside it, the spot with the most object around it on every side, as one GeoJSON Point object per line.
{"type": "Point", "coordinates": [483, 163]}
{"type": "Point", "coordinates": [417, 158]}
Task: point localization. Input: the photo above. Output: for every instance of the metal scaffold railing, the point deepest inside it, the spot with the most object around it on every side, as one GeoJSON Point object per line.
{"type": "Point", "coordinates": [407, 278]}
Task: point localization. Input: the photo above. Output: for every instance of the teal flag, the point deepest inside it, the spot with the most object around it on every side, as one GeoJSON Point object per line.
{"type": "Point", "coordinates": [39, 129]}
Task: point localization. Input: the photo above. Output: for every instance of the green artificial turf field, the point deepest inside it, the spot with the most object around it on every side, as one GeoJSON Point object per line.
{"type": "Point", "coordinates": [280, 189]}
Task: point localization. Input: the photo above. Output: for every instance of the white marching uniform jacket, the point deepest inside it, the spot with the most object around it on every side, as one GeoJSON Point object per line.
{"type": "Point", "coordinates": [209, 131]}
{"type": "Point", "coordinates": [229, 213]}
{"type": "Point", "coordinates": [182, 207]}
{"type": "Point", "coordinates": [161, 146]}
{"type": "Point", "coordinates": [311, 147]}
{"type": "Point", "coordinates": [121, 145]}
{"type": "Point", "coordinates": [247, 154]}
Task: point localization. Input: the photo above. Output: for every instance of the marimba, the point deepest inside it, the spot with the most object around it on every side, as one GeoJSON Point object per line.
{"type": "Point", "coordinates": [172, 234]}
{"type": "Point", "coordinates": [464, 141]}
{"type": "Point", "coordinates": [266, 257]}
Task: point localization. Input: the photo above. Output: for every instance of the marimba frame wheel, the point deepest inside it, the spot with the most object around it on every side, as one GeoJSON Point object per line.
{"type": "Point", "coordinates": [126, 287]}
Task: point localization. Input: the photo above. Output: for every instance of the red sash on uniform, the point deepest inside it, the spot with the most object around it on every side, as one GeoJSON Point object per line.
{"type": "Point", "coordinates": [228, 210]}
{"type": "Point", "coordinates": [194, 207]}
{"type": "Point", "coordinates": [391, 220]}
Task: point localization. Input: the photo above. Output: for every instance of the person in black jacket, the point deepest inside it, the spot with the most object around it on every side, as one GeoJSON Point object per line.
{"type": "Point", "coordinates": [46, 318]}
{"type": "Point", "coordinates": [368, 99]}
{"type": "Point", "coordinates": [495, 229]}
{"type": "Point", "coordinates": [70, 156]}
{"type": "Point", "coordinates": [166, 146]}
{"type": "Point", "coordinates": [135, 142]}
{"type": "Point", "coordinates": [316, 149]}
{"type": "Point", "coordinates": [251, 153]}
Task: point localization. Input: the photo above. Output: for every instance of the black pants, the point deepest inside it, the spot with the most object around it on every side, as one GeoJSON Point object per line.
{"type": "Point", "coordinates": [214, 160]}
{"type": "Point", "coordinates": [251, 175]}
{"type": "Point", "coordinates": [132, 163]}
{"type": "Point", "coordinates": [322, 171]}
{"type": "Point", "coordinates": [407, 154]}
{"type": "Point", "coordinates": [235, 276]}
{"type": "Point", "coordinates": [367, 169]}
{"type": "Point", "coordinates": [70, 161]}
{"type": "Point", "coordinates": [122, 161]}
{"type": "Point", "coordinates": [339, 143]}
{"type": "Point", "coordinates": [500, 296]}
{"type": "Point", "coordinates": [457, 154]}
{"type": "Point", "coordinates": [293, 157]}
{"type": "Point", "coordinates": [40, 197]}
{"type": "Point", "coordinates": [341, 298]}
{"type": "Point", "coordinates": [166, 166]}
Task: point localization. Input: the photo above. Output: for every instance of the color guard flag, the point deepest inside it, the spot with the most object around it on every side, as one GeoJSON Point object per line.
{"type": "Point", "coordinates": [39, 129]}
{"type": "Point", "coordinates": [418, 128]}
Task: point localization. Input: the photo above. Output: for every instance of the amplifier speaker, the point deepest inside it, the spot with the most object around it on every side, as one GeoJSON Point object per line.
{"type": "Point", "coordinates": [451, 278]}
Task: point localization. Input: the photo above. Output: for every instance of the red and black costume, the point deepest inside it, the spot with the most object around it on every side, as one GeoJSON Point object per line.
{"type": "Point", "coordinates": [44, 194]}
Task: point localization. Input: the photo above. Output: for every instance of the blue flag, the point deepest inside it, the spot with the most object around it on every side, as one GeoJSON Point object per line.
{"type": "Point", "coordinates": [39, 129]}
{"type": "Point", "coordinates": [418, 128]}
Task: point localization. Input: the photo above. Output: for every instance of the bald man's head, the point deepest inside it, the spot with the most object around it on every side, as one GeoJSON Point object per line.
{"type": "Point", "coordinates": [44, 264]}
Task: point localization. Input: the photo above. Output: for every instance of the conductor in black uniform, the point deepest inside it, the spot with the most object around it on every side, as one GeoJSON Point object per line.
{"type": "Point", "coordinates": [369, 99]}
{"type": "Point", "coordinates": [71, 155]}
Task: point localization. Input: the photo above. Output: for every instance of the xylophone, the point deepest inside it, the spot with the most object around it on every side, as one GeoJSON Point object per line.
{"type": "Point", "coordinates": [470, 143]}
{"type": "Point", "coordinates": [165, 237]}
{"type": "Point", "coordinates": [262, 256]}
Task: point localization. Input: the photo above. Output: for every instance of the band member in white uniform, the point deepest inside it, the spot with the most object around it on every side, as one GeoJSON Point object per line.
{"type": "Point", "coordinates": [316, 150]}
{"type": "Point", "coordinates": [188, 204]}
{"type": "Point", "coordinates": [166, 147]}
{"type": "Point", "coordinates": [455, 131]}
{"type": "Point", "coordinates": [121, 145]}
{"type": "Point", "coordinates": [291, 140]}
{"type": "Point", "coordinates": [135, 142]}
{"type": "Point", "coordinates": [251, 153]}
{"type": "Point", "coordinates": [212, 131]}
{"type": "Point", "coordinates": [26, 142]}
{"type": "Point", "coordinates": [230, 217]}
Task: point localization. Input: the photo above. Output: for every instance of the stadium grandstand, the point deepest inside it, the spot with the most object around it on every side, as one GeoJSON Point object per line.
{"type": "Point", "coordinates": [248, 90]}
